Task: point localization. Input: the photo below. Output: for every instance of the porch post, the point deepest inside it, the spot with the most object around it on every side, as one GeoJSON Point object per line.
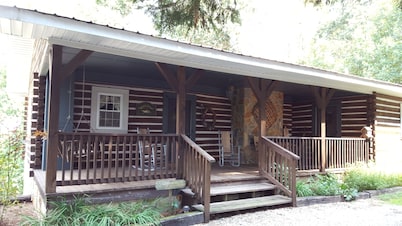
{"type": "Point", "coordinates": [262, 89]}
{"type": "Point", "coordinates": [181, 101]}
{"type": "Point", "coordinates": [53, 118]}
{"type": "Point", "coordinates": [323, 96]}
{"type": "Point", "coordinates": [57, 73]}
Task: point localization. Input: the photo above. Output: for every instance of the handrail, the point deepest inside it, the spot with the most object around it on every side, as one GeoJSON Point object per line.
{"type": "Point", "coordinates": [202, 152]}
{"type": "Point", "coordinates": [339, 151]}
{"type": "Point", "coordinates": [88, 158]}
{"type": "Point", "coordinates": [197, 172]}
{"type": "Point", "coordinates": [278, 165]}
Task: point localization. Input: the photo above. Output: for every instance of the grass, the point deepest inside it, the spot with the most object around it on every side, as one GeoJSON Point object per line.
{"type": "Point", "coordinates": [392, 198]}
{"type": "Point", "coordinates": [356, 179]}
{"type": "Point", "coordinates": [80, 212]}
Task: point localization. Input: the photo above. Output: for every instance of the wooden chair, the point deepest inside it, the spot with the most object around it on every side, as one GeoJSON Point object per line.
{"type": "Point", "coordinates": [146, 151]}
{"type": "Point", "coordinates": [227, 151]}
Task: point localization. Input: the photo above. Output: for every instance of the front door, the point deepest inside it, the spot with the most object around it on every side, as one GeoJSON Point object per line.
{"type": "Point", "coordinates": [169, 114]}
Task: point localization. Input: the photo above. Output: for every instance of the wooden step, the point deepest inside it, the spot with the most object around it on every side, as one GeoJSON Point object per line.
{"type": "Point", "coordinates": [226, 189]}
{"type": "Point", "coordinates": [245, 204]}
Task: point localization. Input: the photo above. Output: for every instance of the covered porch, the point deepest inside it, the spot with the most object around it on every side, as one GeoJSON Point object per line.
{"type": "Point", "coordinates": [183, 114]}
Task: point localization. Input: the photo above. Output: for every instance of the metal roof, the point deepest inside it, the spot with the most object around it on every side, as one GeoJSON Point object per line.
{"type": "Point", "coordinates": [102, 38]}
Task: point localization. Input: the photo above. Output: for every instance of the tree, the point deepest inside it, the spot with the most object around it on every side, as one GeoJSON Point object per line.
{"type": "Point", "coordinates": [11, 149]}
{"type": "Point", "coordinates": [363, 38]}
{"type": "Point", "coordinates": [201, 21]}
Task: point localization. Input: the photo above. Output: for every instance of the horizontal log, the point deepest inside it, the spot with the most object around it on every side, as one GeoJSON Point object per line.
{"type": "Point", "coordinates": [379, 95]}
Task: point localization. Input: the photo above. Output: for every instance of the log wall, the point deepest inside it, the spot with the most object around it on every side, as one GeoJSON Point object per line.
{"type": "Point", "coordinates": [207, 138]}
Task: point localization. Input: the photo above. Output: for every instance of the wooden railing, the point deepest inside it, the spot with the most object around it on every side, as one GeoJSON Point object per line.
{"type": "Point", "coordinates": [278, 165]}
{"type": "Point", "coordinates": [86, 158]}
{"type": "Point", "coordinates": [197, 172]}
{"type": "Point", "coordinates": [340, 152]}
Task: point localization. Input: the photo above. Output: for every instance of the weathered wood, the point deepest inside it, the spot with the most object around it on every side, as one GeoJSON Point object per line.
{"type": "Point", "coordinates": [53, 118]}
{"type": "Point", "coordinates": [224, 189]}
{"type": "Point", "coordinates": [279, 167]}
{"type": "Point", "coordinates": [74, 63]}
{"type": "Point", "coordinates": [91, 158]}
{"type": "Point", "coordinates": [341, 152]}
{"type": "Point", "coordinates": [244, 204]}
{"type": "Point", "coordinates": [197, 172]}
{"type": "Point", "coordinates": [181, 102]}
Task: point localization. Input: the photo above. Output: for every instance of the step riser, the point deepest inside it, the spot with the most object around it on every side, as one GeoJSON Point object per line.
{"type": "Point", "coordinates": [228, 197]}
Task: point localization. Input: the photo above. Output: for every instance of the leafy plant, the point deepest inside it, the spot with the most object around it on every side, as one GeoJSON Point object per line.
{"type": "Point", "coordinates": [11, 150]}
{"type": "Point", "coordinates": [348, 193]}
{"type": "Point", "coordinates": [303, 189]}
{"type": "Point", "coordinates": [80, 212]}
{"type": "Point", "coordinates": [365, 178]}
{"type": "Point", "coordinates": [326, 185]}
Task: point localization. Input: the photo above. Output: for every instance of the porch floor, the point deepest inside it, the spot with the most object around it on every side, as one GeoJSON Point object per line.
{"type": "Point", "coordinates": [218, 175]}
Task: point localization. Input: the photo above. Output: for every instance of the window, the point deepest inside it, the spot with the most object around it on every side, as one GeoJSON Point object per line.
{"type": "Point", "coordinates": [400, 117]}
{"type": "Point", "coordinates": [109, 110]}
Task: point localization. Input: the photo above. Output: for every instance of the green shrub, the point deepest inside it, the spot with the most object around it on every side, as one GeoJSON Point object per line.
{"type": "Point", "coordinates": [365, 178]}
{"type": "Point", "coordinates": [303, 189]}
{"type": "Point", "coordinates": [326, 185]}
{"type": "Point", "coordinates": [79, 212]}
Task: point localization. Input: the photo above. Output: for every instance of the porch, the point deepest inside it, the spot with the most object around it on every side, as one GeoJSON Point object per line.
{"type": "Point", "coordinates": [88, 158]}
{"type": "Point", "coordinates": [109, 168]}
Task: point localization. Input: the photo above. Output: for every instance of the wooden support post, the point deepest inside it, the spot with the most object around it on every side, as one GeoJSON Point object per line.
{"type": "Point", "coordinates": [181, 101]}
{"type": "Point", "coordinates": [57, 73]}
{"type": "Point", "coordinates": [53, 118]}
{"type": "Point", "coordinates": [323, 97]}
{"type": "Point", "coordinates": [262, 89]}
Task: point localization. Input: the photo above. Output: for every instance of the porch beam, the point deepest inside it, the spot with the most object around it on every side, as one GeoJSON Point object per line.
{"type": "Point", "coordinates": [74, 63]}
{"type": "Point", "coordinates": [192, 80]}
{"type": "Point", "coordinates": [168, 75]}
{"type": "Point", "coordinates": [55, 63]}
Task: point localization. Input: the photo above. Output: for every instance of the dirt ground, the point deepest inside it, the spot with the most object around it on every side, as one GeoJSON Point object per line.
{"type": "Point", "coordinates": [13, 215]}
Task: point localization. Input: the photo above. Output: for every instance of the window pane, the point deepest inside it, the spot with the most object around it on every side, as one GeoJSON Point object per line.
{"type": "Point", "coordinates": [109, 111]}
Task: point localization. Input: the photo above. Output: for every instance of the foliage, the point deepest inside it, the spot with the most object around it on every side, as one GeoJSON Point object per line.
{"type": "Point", "coordinates": [365, 178]}
{"type": "Point", "coordinates": [361, 38]}
{"type": "Point", "coordinates": [356, 179]}
{"type": "Point", "coordinates": [11, 150]}
{"type": "Point", "coordinates": [393, 198]}
{"type": "Point", "coordinates": [303, 189]}
{"type": "Point", "coordinates": [324, 185]}
{"type": "Point", "coordinates": [200, 21]}
{"type": "Point", "coordinates": [80, 212]}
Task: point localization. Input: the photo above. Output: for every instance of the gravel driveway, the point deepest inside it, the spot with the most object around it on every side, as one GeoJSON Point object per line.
{"type": "Point", "coordinates": [361, 212]}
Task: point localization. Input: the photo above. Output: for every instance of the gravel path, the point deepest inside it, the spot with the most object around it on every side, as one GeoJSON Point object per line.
{"type": "Point", "coordinates": [361, 212]}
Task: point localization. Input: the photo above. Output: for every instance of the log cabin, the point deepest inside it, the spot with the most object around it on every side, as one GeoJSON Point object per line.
{"type": "Point", "coordinates": [93, 87]}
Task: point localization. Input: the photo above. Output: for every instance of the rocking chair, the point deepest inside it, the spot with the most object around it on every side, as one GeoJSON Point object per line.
{"type": "Point", "coordinates": [146, 151]}
{"type": "Point", "coordinates": [227, 151]}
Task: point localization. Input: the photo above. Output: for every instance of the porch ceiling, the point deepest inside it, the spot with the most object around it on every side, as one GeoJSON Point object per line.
{"type": "Point", "coordinates": [124, 49]}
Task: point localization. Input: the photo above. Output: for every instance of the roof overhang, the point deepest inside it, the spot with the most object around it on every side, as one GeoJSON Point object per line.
{"type": "Point", "coordinates": [101, 38]}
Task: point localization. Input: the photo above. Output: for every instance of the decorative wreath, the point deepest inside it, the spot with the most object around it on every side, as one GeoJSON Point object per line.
{"type": "Point", "coordinates": [208, 113]}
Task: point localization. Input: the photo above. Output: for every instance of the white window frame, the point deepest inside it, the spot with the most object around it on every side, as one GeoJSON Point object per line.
{"type": "Point", "coordinates": [95, 101]}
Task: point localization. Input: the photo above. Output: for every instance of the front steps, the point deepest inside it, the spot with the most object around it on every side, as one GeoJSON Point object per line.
{"type": "Point", "coordinates": [239, 196]}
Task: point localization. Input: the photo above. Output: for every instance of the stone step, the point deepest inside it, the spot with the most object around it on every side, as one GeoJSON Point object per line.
{"type": "Point", "coordinates": [245, 204]}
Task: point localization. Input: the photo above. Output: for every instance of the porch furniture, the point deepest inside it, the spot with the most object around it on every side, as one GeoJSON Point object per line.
{"type": "Point", "coordinates": [152, 153]}
{"type": "Point", "coordinates": [146, 151]}
{"type": "Point", "coordinates": [227, 151]}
